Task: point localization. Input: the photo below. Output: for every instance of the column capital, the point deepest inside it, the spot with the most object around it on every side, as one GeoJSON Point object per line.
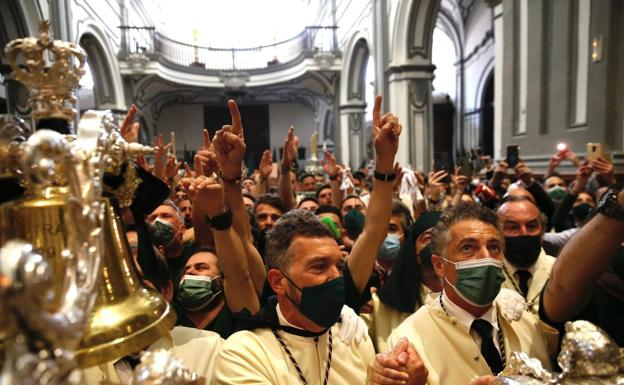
{"type": "Point", "coordinates": [410, 68]}
{"type": "Point", "coordinates": [410, 72]}
{"type": "Point", "coordinates": [492, 3]}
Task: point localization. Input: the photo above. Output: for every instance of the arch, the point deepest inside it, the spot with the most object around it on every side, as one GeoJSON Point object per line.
{"type": "Point", "coordinates": [413, 31]}
{"type": "Point", "coordinates": [353, 100]}
{"type": "Point", "coordinates": [353, 73]}
{"type": "Point", "coordinates": [357, 70]}
{"type": "Point", "coordinates": [486, 74]}
{"type": "Point", "coordinates": [103, 62]}
{"type": "Point", "coordinates": [487, 116]}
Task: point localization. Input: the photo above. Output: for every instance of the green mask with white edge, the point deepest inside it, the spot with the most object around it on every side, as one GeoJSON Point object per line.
{"type": "Point", "coordinates": [478, 281]}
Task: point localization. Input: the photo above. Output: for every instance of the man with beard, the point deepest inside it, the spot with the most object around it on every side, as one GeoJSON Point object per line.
{"type": "Point", "coordinates": [526, 265]}
{"type": "Point", "coordinates": [186, 207]}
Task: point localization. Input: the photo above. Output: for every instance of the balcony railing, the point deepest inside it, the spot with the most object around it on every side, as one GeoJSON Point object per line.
{"type": "Point", "coordinates": [148, 41]}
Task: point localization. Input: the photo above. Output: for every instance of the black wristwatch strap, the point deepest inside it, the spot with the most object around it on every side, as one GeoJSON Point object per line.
{"type": "Point", "coordinates": [385, 177]}
{"type": "Point", "coordinates": [222, 221]}
{"type": "Point", "coordinates": [609, 207]}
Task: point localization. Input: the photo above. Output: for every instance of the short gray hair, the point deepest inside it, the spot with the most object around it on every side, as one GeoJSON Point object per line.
{"type": "Point", "coordinates": [440, 236]}
{"type": "Point", "coordinates": [297, 222]}
{"type": "Point", "coordinates": [170, 203]}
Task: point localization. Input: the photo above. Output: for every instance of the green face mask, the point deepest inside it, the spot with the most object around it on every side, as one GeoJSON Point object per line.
{"type": "Point", "coordinates": [332, 226]}
{"type": "Point", "coordinates": [196, 291]}
{"type": "Point", "coordinates": [557, 193]}
{"type": "Point", "coordinates": [479, 280]}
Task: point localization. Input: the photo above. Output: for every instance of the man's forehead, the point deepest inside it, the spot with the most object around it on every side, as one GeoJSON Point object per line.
{"type": "Point", "coordinates": [265, 207]}
{"type": "Point", "coordinates": [472, 228]}
{"type": "Point", "coordinates": [353, 202]}
{"type": "Point", "coordinates": [202, 257]}
{"type": "Point", "coordinates": [519, 210]}
{"type": "Point", "coordinates": [554, 179]}
{"type": "Point", "coordinates": [304, 248]}
{"type": "Point", "coordinates": [164, 209]}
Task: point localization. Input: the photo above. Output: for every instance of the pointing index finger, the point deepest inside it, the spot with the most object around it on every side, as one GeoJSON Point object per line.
{"type": "Point", "coordinates": [236, 118]}
{"type": "Point", "coordinates": [206, 140]}
{"type": "Point", "coordinates": [377, 111]}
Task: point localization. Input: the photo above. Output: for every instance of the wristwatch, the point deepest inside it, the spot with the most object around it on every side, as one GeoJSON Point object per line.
{"type": "Point", "coordinates": [609, 207]}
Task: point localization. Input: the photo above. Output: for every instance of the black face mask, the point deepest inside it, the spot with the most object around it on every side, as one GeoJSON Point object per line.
{"type": "Point", "coordinates": [425, 256]}
{"type": "Point", "coordinates": [523, 251]}
{"type": "Point", "coordinates": [581, 211]}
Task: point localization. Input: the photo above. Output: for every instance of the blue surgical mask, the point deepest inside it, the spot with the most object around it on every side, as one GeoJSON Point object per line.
{"type": "Point", "coordinates": [390, 247]}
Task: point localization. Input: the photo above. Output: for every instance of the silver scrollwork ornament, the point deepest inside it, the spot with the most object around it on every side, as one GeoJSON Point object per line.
{"type": "Point", "coordinates": [588, 356]}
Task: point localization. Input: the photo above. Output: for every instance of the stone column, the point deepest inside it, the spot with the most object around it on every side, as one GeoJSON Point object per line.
{"type": "Point", "coordinates": [353, 139]}
{"type": "Point", "coordinates": [410, 100]}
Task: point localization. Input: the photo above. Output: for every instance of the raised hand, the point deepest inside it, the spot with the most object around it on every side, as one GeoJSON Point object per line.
{"type": "Point", "coordinates": [501, 168]}
{"type": "Point", "coordinates": [236, 127]}
{"type": "Point", "coordinates": [524, 173]}
{"type": "Point", "coordinates": [129, 130]}
{"type": "Point", "coordinates": [142, 162]}
{"type": "Point", "coordinates": [229, 146]}
{"type": "Point", "coordinates": [330, 166]}
{"type": "Point", "coordinates": [436, 178]}
{"type": "Point", "coordinates": [461, 181]}
{"type": "Point", "coordinates": [290, 148]}
{"type": "Point", "coordinates": [398, 170]}
{"type": "Point", "coordinates": [205, 193]}
{"type": "Point", "coordinates": [554, 162]}
{"type": "Point", "coordinates": [605, 169]}
{"type": "Point", "coordinates": [172, 167]}
{"type": "Point", "coordinates": [160, 155]}
{"type": "Point", "coordinates": [266, 164]}
{"type": "Point", "coordinates": [582, 177]}
{"type": "Point", "coordinates": [385, 131]}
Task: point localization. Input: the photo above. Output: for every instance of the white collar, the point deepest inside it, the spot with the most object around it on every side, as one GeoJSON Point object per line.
{"type": "Point", "coordinates": [282, 320]}
{"type": "Point", "coordinates": [531, 269]}
{"type": "Point", "coordinates": [464, 318]}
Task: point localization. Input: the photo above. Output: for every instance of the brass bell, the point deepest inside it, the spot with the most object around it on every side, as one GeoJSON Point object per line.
{"type": "Point", "coordinates": [127, 316]}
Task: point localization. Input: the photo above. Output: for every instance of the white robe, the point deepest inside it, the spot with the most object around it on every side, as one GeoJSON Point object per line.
{"type": "Point", "coordinates": [256, 357]}
{"type": "Point", "coordinates": [196, 348]}
{"type": "Point", "coordinates": [450, 353]}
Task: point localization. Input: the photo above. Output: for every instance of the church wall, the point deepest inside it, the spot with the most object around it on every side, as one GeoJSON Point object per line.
{"type": "Point", "coordinates": [187, 121]}
{"type": "Point", "coordinates": [563, 95]}
{"type": "Point", "coordinates": [478, 54]}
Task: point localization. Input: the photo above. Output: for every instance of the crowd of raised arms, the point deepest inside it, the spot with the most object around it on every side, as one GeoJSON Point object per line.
{"type": "Point", "coordinates": [381, 275]}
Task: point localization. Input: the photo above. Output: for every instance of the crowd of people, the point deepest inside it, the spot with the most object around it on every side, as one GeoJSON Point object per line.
{"type": "Point", "coordinates": [382, 275]}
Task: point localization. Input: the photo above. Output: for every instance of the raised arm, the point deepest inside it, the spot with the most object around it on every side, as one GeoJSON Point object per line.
{"type": "Point", "coordinates": [330, 166]}
{"type": "Point", "coordinates": [238, 286]}
{"type": "Point", "coordinates": [229, 145]}
{"type": "Point", "coordinates": [264, 170]}
{"type": "Point", "coordinates": [285, 185]}
{"type": "Point", "coordinates": [581, 262]}
{"type": "Point", "coordinates": [205, 165]}
{"type": "Point", "coordinates": [386, 131]}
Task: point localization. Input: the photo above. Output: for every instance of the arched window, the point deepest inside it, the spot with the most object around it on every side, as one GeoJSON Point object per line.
{"type": "Point", "coordinates": [98, 76]}
{"type": "Point", "coordinates": [85, 93]}
{"type": "Point", "coordinates": [444, 57]}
